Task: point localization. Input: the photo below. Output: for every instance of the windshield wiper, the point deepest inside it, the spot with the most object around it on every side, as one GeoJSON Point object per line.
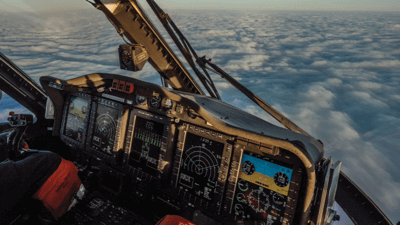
{"type": "Point", "coordinates": [187, 51]}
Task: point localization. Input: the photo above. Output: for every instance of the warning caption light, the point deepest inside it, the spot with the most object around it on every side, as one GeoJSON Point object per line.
{"type": "Point", "coordinates": [123, 86]}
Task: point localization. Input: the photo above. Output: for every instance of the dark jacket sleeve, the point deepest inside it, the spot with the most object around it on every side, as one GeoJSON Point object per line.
{"type": "Point", "coordinates": [21, 179]}
{"type": "Point", "coordinates": [9, 177]}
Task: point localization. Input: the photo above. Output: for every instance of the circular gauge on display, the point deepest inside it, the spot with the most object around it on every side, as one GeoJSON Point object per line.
{"type": "Point", "coordinates": [239, 210]}
{"type": "Point", "coordinates": [167, 103]}
{"type": "Point", "coordinates": [140, 99]}
{"type": "Point", "coordinates": [243, 186]}
{"type": "Point", "coordinates": [279, 199]}
{"type": "Point", "coordinates": [258, 200]}
{"type": "Point", "coordinates": [281, 179]}
{"type": "Point", "coordinates": [155, 102]}
{"type": "Point", "coordinates": [84, 109]}
{"type": "Point", "coordinates": [248, 168]}
{"type": "Point", "coordinates": [73, 123]}
{"type": "Point", "coordinates": [201, 161]}
{"type": "Point", "coordinates": [241, 198]}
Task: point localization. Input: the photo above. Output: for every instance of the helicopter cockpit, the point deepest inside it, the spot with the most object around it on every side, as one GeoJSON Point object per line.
{"type": "Point", "coordinates": [145, 151]}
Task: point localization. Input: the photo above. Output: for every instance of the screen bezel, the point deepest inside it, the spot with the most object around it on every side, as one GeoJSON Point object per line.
{"type": "Point", "coordinates": [181, 191]}
{"type": "Point", "coordinates": [285, 159]}
{"type": "Point", "coordinates": [67, 139]}
{"type": "Point", "coordinates": [186, 148]}
{"type": "Point", "coordinates": [268, 159]}
{"type": "Point", "coordinates": [92, 124]}
{"type": "Point", "coordinates": [129, 139]}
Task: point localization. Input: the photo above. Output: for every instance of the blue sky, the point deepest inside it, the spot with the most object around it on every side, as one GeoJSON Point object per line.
{"type": "Point", "coordinates": [353, 5]}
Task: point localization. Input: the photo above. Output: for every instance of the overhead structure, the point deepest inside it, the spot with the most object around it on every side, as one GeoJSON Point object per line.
{"type": "Point", "coordinates": [131, 22]}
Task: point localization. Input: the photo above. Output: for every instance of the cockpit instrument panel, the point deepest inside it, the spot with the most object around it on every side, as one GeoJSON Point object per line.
{"type": "Point", "coordinates": [262, 188]}
{"type": "Point", "coordinates": [147, 143]}
{"type": "Point", "coordinates": [154, 151]}
{"type": "Point", "coordinates": [76, 116]}
{"type": "Point", "coordinates": [104, 126]}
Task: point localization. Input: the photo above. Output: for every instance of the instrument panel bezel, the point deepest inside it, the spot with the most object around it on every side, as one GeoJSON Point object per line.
{"type": "Point", "coordinates": [187, 198]}
{"type": "Point", "coordinates": [285, 157]}
{"type": "Point", "coordinates": [163, 162]}
{"type": "Point", "coordinates": [63, 137]}
{"type": "Point", "coordinates": [112, 104]}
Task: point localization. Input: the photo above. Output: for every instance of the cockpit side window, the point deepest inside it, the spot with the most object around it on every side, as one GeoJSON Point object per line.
{"type": "Point", "coordinates": [8, 104]}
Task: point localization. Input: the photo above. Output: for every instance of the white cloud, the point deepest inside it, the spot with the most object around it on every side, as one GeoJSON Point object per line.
{"type": "Point", "coordinates": [318, 97]}
{"type": "Point", "coordinates": [370, 85]}
{"type": "Point", "coordinates": [334, 82]}
{"type": "Point", "coordinates": [366, 98]}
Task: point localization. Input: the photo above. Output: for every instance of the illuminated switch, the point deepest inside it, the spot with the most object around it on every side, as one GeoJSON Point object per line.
{"type": "Point", "coordinates": [179, 108]}
{"type": "Point", "coordinates": [121, 85]}
{"type": "Point", "coordinates": [115, 84]}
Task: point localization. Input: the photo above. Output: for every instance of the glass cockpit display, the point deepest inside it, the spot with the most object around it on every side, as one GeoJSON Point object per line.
{"type": "Point", "coordinates": [146, 145]}
{"type": "Point", "coordinates": [105, 128]}
{"type": "Point", "coordinates": [200, 165]}
{"type": "Point", "coordinates": [77, 112]}
{"type": "Point", "coordinates": [262, 189]}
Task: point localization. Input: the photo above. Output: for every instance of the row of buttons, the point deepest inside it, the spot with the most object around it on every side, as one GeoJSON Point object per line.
{"type": "Point", "coordinates": [109, 103]}
{"type": "Point", "coordinates": [232, 182]}
{"type": "Point", "coordinates": [140, 175]}
{"type": "Point", "coordinates": [205, 131]}
{"type": "Point", "coordinates": [150, 115]}
{"type": "Point", "coordinates": [193, 200]}
{"type": "Point", "coordinates": [102, 156]}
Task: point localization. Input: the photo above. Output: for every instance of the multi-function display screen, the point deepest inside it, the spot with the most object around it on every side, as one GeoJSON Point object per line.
{"type": "Point", "coordinates": [262, 189]}
{"type": "Point", "coordinates": [75, 126]}
{"type": "Point", "coordinates": [199, 167]}
{"type": "Point", "coordinates": [105, 127]}
{"type": "Point", "coordinates": [146, 144]}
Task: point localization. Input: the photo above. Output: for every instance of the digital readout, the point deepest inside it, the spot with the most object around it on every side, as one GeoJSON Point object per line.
{"type": "Point", "coordinates": [262, 189]}
{"type": "Point", "coordinates": [146, 145]}
{"type": "Point", "coordinates": [105, 128]}
{"type": "Point", "coordinates": [76, 119]}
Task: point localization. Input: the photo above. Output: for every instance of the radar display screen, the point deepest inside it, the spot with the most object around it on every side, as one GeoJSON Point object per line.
{"type": "Point", "coordinates": [105, 128]}
{"type": "Point", "coordinates": [146, 145]}
{"type": "Point", "coordinates": [262, 189]}
{"type": "Point", "coordinates": [75, 126]}
{"type": "Point", "coordinates": [199, 167]}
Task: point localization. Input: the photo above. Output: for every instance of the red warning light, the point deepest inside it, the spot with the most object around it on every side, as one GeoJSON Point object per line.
{"type": "Point", "coordinates": [11, 113]}
{"type": "Point", "coordinates": [129, 88]}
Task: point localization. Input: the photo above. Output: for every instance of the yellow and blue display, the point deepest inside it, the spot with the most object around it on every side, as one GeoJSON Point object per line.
{"type": "Point", "coordinates": [264, 174]}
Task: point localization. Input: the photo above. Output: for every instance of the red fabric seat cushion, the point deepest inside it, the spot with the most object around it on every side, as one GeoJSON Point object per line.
{"type": "Point", "coordinates": [174, 220]}
{"type": "Point", "coordinates": [58, 192]}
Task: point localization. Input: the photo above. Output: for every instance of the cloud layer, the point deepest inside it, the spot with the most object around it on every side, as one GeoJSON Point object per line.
{"type": "Point", "coordinates": [334, 74]}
